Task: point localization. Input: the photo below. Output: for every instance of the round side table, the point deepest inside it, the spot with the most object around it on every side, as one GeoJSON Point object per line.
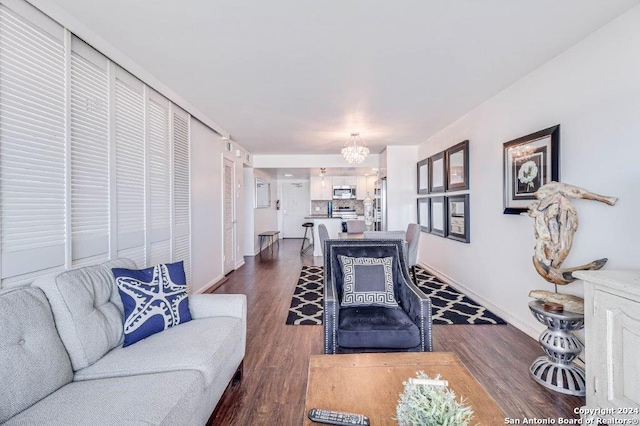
{"type": "Point", "coordinates": [557, 370]}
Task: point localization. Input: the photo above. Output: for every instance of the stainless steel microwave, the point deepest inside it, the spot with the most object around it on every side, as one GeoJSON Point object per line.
{"type": "Point", "coordinates": [344, 192]}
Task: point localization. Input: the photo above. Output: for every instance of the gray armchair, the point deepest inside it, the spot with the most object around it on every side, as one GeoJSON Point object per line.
{"type": "Point", "coordinates": [406, 327]}
{"type": "Point", "coordinates": [323, 235]}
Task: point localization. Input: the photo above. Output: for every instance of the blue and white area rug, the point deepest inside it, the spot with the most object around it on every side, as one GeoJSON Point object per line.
{"type": "Point", "coordinates": [448, 305]}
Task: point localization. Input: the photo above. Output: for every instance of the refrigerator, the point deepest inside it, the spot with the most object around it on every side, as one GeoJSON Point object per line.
{"type": "Point", "coordinates": [380, 205]}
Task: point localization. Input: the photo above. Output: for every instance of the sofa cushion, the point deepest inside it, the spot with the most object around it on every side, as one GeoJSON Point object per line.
{"type": "Point", "coordinates": [87, 310]}
{"type": "Point", "coordinates": [154, 299]}
{"type": "Point", "coordinates": [377, 327]}
{"type": "Point", "coordinates": [206, 345]}
{"type": "Point", "coordinates": [150, 399]}
{"type": "Point", "coordinates": [368, 281]}
{"type": "Point", "coordinates": [33, 361]}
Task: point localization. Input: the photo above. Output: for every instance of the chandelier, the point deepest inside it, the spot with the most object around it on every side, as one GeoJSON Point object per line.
{"type": "Point", "coordinates": [355, 150]}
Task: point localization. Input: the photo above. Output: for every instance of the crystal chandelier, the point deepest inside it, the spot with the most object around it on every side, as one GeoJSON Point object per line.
{"type": "Point", "coordinates": [355, 150]}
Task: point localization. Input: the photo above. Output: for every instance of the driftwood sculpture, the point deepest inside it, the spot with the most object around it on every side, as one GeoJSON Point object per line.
{"type": "Point", "coordinates": [569, 302]}
{"type": "Point", "coordinates": [556, 221]}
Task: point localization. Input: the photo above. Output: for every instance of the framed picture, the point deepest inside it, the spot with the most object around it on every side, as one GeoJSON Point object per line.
{"type": "Point", "coordinates": [457, 162]}
{"type": "Point", "coordinates": [438, 216]}
{"type": "Point", "coordinates": [437, 178]}
{"type": "Point", "coordinates": [529, 162]}
{"type": "Point", "coordinates": [423, 176]}
{"type": "Point", "coordinates": [458, 218]}
{"type": "Point", "coordinates": [423, 214]}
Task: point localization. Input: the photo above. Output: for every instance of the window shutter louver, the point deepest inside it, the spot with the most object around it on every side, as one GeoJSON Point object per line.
{"type": "Point", "coordinates": [89, 157]}
{"type": "Point", "coordinates": [93, 163]}
{"type": "Point", "coordinates": [159, 164]}
{"type": "Point", "coordinates": [181, 192]}
{"type": "Point", "coordinates": [32, 148]}
{"type": "Point", "coordinates": [130, 168]}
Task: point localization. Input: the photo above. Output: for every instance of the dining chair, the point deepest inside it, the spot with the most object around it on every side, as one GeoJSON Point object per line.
{"type": "Point", "coordinates": [323, 236]}
{"type": "Point", "coordinates": [356, 226]}
{"type": "Point", "coordinates": [411, 237]}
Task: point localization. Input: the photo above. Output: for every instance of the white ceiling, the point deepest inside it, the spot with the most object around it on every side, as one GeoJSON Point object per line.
{"type": "Point", "coordinates": [298, 76]}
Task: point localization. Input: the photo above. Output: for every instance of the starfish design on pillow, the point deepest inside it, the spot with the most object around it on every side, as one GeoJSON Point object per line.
{"type": "Point", "coordinates": [161, 297]}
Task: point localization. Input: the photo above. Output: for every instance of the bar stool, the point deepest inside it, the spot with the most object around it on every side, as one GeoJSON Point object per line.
{"type": "Point", "coordinates": [306, 227]}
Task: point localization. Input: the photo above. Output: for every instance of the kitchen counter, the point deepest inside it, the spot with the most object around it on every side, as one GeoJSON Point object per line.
{"type": "Point", "coordinates": [333, 228]}
{"type": "Point", "coordinates": [322, 216]}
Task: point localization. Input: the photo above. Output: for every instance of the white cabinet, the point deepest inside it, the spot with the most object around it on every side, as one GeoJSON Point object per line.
{"type": "Point", "coordinates": [612, 337]}
{"type": "Point", "coordinates": [366, 186]}
{"type": "Point", "coordinates": [318, 191]}
{"type": "Point", "coordinates": [361, 188]}
{"type": "Point", "coordinates": [371, 185]}
{"type": "Point", "coordinates": [345, 180]}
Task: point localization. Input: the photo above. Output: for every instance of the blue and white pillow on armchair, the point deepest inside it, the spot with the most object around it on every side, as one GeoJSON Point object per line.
{"type": "Point", "coordinates": [154, 299]}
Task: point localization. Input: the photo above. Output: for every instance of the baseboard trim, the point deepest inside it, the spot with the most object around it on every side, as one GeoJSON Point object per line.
{"type": "Point", "coordinates": [240, 264]}
{"type": "Point", "coordinates": [214, 284]}
{"type": "Point", "coordinates": [514, 321]}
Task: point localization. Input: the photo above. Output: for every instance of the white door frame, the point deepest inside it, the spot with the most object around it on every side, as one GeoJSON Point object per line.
{"type": "Point", "coordinates": [232, 261]}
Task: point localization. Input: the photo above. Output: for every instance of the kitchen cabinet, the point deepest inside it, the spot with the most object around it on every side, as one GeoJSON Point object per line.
{"type": "Point", "coordinates": [319, 191]}
{"type": "Point", "coordinates": [371, 185]}
{"type": "Point", "coordinates": [345, 180]}
{"type": "Point", "coordinates": [366, 185]}
{"type": "Point", "coordinates": [612, 342]}
{"type": "Point", "coordinates": [361, 188]}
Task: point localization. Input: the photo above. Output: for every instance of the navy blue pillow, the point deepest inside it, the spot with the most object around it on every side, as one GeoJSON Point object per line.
{"type": "Point", "coordinates": [154, 299]}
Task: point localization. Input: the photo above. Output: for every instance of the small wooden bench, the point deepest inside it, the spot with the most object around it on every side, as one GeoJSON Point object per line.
{"type": "Point", "coordinates": [270, 235]}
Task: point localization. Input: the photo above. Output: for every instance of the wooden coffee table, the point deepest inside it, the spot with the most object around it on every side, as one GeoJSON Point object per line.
{"type": "Point", "coordinates": [371, 383]}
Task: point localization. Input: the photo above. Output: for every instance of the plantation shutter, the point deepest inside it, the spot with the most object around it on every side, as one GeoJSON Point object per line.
{"type": "Point", "coordinates": [32, 144]}
{"type": "Point", "coordinates": [89, 155]}
{"type": "Point", "coordinates": [181, 199]}
{"type": "Point", "coordinates": [130, 167]}
{"type": "Point", "coordinates": [159, 166]}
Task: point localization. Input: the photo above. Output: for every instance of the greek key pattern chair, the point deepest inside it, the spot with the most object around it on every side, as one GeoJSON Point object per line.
{"type": "Point", "coordinates": [373, 328]}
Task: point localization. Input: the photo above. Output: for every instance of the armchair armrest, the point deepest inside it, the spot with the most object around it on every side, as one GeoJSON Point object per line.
{"type": "Point", "coordinates": [218, 305]}
{"type": "Point", "coordinates": [418, 306]}
{"type": "Point", "coordinates": [330, 315]}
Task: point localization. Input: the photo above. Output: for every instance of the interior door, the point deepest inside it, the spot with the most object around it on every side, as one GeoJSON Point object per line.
{"type": "Point", "coordinates": [228, 216]}
{"type": "Point", "coordinates": [295, 206]}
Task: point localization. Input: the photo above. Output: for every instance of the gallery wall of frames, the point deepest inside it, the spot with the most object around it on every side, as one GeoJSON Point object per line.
{"type": "Point", "coordinates": [443, 198]}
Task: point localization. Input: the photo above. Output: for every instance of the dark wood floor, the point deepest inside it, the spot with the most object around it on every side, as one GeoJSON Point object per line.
{"type": "Point", "coordinates": [272, 391]}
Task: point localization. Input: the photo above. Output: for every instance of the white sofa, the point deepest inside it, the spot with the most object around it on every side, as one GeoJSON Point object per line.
{"type": "Point", "coordinates": [62, 360]}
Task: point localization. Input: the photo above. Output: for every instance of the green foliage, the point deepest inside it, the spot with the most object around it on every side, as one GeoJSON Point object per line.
{"type": "Point", "coordinates": [424, 405]}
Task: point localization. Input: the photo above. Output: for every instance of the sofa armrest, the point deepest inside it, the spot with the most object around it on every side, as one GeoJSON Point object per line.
{"type": "Point", "coordinates": [330, 314]}
{"type": "Point", "coordinates": [418, 306]}
{"type": "Point", "coordinates": [218, 305]}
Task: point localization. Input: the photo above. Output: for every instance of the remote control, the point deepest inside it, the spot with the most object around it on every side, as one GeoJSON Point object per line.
{"type": "Point", "coordinates": [319, 415]}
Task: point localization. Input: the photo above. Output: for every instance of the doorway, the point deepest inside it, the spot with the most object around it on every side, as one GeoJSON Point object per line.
{"type": "Point", "coordinates": [295, 206]}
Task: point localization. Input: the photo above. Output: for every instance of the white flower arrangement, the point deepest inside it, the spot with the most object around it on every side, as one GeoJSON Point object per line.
{"type": "Point", "coordinates": [527, 173]}
{"type": "Point", "coordinates": [431, 405]}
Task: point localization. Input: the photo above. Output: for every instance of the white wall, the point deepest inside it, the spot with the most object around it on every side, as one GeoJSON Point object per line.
{"type": "Point", "coordinates": [240, 227]}
{"type": "Point", "coordinates": [207, 153]}
{"type": "Point", "coordinates": [248, 239]}
{"type": "Point", "coordinates": [401, 192]}
{"type": "Point", "coordinates": [264, 219]}
{"type": "Point", "coordinates": [206, 206]}
{"type": "Point", "coordinates": [593, 91]}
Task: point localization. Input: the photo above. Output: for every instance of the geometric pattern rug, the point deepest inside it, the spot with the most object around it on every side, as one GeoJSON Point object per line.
{"type": "Point", "coordinates": [448, 305]}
